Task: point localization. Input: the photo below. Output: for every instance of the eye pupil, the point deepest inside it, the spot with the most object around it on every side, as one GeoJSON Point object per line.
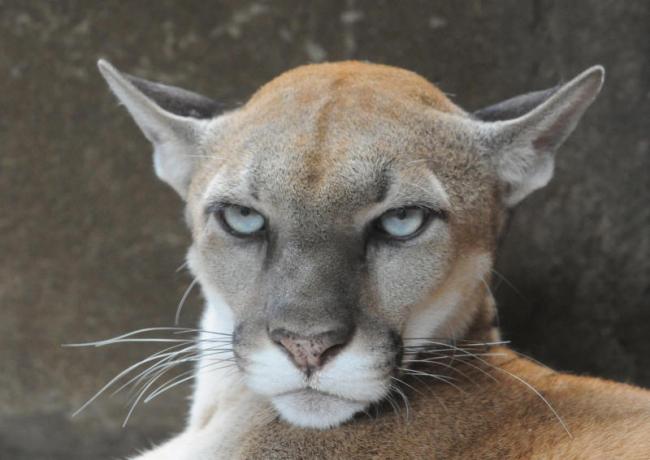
{"type": "Point", "coordinates": [401, 213]}
{"type": "Point", "coordinates": [244, 211]}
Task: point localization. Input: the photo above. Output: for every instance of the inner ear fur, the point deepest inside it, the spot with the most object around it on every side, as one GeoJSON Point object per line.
{"type": "Point", "coordinates": [522, 134]}
{"type": "Point", "coordinates": [174, 120]}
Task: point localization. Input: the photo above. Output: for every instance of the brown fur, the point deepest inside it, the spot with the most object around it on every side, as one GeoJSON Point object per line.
{"type": "Point", "coordinates": [352, 78]}
{"type": "Point", "coordinates": [483, 419]}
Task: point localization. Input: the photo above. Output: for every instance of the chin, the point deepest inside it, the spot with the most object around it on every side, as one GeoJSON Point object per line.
{"type": "Point", "coordinates": [313, 409]}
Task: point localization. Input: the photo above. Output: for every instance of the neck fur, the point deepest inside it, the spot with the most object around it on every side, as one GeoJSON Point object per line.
{"type": "Point", "coordinates": [483, 327]}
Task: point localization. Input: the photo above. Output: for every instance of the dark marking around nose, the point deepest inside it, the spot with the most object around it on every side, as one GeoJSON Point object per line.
{"type": "Point", "coordinates": [311, 353]}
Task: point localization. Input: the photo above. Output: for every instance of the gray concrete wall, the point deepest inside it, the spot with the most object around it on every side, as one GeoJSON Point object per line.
{"type": "Point", "coordinates": [90, 240]}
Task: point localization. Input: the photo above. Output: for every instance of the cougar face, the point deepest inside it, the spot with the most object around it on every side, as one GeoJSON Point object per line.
{"type": "Point", "coordinates": [344, 210]}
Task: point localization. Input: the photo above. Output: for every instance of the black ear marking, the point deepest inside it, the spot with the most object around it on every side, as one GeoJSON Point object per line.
{"type": "Point", "coordinates": [177, 100]}
{"type": "Point", "coordinates": [516, 106]}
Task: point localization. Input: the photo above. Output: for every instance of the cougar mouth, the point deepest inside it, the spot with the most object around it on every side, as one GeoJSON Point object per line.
{"type": "Point", "coordinates": [314, 393]}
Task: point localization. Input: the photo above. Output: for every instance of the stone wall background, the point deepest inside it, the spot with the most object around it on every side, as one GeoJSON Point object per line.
{"type": "Point", "coordinates": [90, 240]}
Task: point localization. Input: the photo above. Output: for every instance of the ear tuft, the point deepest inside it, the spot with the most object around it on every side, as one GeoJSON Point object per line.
{"type": "Point", "coordinates": [173, 119]}
{"type": "Point", "coordinates": [523, 133]}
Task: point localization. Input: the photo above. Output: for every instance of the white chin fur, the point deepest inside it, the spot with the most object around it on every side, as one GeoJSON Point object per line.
{"type": "Point", "coordinates": [311, 409]}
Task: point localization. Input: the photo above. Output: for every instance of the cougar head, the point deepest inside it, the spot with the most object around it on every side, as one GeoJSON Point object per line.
{"type": "Point", "coordinates": [344, 209]}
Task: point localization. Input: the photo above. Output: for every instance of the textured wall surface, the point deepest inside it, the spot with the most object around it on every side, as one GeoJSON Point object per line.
{"type": "Point", "coordinates": [90, 240]}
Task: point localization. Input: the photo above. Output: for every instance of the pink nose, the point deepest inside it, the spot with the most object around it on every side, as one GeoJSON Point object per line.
{"type": "Point", "coordinates": [311, 353]}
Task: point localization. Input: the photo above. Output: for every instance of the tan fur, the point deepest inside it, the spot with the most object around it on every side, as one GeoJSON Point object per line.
{"type": "Point", "coordinates": [483, 419]}
{"type": "Point", "coordinates": [354, 78]}
{"type": "Point", "coordinates": [307, 151]}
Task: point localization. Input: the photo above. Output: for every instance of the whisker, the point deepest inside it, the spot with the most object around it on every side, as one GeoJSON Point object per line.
{"type": "Point", "coordinates": [462, 343]}
{"type": "Point", "coordinates": [535, 391]}
{"type": "Point", "coordinates": [525, 356]}
{"type": "Point", "coordinates": [445, 379]}
{"type": "Point", "coordinates": [215, 351]}
{"type": "Point", "coordinates": [139, 397]}
{"type": "Point", "coordinates": [163, 367]}
{"type": "Point", "coordinates": [202, 331]}
{"type": "Point", "coordinates": [154, 339]}
{"type": "Point", "coordinates": [393, 404]}
{"type": "Point", "coordinates": [175, 381]}
{"type": "Point", "coordinates": [404, 398]}
{"type": "Point", "coordinates": [512, 286]}
{"type": "Point", "coordinates": [113, 380]}
{"type": "Point", "coordinates": [153, 368]}
{"type": "Point", "coordinates": [101, 343]}
{"type": "Point", "coordinates": [145, 340]}
{"type": "Point", "coordinates": [469, 354]}
{"type": "Point", "coordinates": [206, 343]}
{"type": "Point", "coordinates": [432, 393]}
{"type": "Point", "coordinates": [183, 299]}
{"type": "Point", "coordinates": [448, 366]}
{"type": "Point", "coordinates": [453, 356]}
{"type": "Point", "coordinates": [516, 377]}
{"type": "Point", "coordinates": [406, 384]}
{"type": "Point", "coordinates": [446, 346]}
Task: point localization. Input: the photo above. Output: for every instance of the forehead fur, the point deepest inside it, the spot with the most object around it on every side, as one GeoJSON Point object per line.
{"type": "Point", "coordinates": [357, 79]}
{"type": "Point", "coordinates": [341, 135]}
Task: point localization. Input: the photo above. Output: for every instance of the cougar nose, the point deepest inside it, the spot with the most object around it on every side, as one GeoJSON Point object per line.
{"type": "Point", "coordinates": [310, 353]}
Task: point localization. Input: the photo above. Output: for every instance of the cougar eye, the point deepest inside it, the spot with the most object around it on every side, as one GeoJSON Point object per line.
{"type": "Point", "coordinates": [403, 223]}
{"type": "Point", "coordinates": [240, 220]}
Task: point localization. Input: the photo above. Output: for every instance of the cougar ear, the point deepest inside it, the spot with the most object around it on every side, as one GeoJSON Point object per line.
{"type": "Point", "coordinates": [173, 120]}
{"type": "Point", "coordinates": [523, 133]}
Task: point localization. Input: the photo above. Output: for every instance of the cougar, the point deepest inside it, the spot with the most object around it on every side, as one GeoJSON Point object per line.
{"type": "Point", "coordinates": [344, 224]}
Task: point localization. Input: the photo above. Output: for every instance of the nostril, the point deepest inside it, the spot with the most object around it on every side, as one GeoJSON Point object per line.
{"type": "Point", "coordinates": [330, 353]}
{"type": "Point", "coordinates": [278, 335]}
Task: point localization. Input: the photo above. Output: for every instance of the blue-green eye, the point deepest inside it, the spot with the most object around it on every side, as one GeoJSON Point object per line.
{"type": "Point", "coordinates": [403, 223]}
{"type": "Point", "coordinates": [241, 221]}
